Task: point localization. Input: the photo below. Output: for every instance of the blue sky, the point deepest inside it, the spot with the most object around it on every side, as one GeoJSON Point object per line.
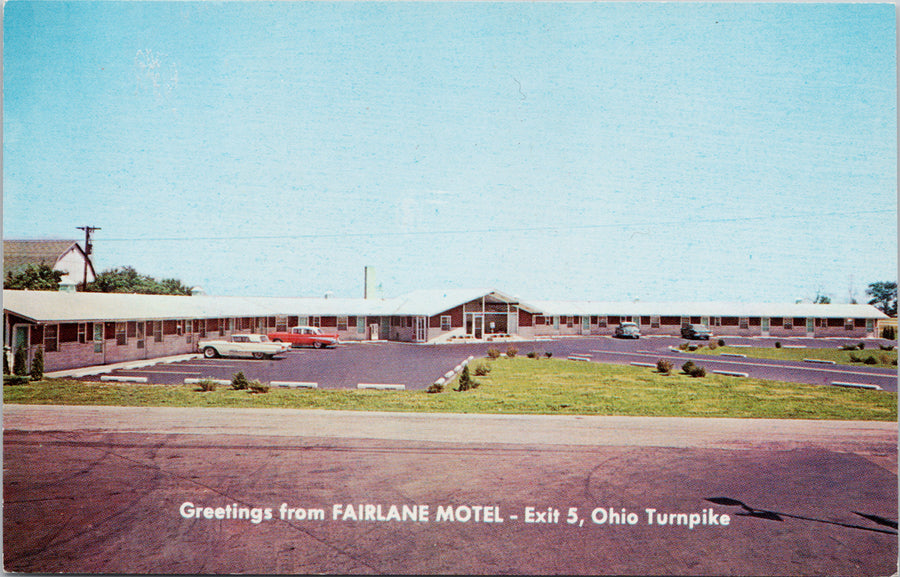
{"type": "Point", "coordinates": [665, 152]}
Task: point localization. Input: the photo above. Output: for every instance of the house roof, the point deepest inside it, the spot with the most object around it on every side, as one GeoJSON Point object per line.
{"type": "Point", "coordinates": [707, 309]}
{"type": "Point", "coordinates": [17, 254]}
{"type": "Point", "coordinates": [52, 306]}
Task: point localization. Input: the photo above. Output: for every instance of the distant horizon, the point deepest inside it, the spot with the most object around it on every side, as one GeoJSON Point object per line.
{"type": "Point", "coordinates": [671, 152]}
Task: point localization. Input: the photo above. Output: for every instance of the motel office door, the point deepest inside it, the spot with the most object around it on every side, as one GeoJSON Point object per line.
{"type": "Point", "coordinates": [420, 329]}
{"type": "Point", "coordinates": [475, 325]}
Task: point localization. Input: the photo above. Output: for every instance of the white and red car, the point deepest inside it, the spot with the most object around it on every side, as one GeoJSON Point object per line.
{"type": "Point", "coordinates": [243, 345]}
{"type": "Point", "coordinates": [305, 337]}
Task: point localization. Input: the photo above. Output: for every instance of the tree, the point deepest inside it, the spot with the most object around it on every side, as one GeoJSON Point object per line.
{"type": "Point", "coordinates": [37, 364]}
{"type": "Point", "coordinates": [884, 296]}
{"type": "Point", "coordinates": [20, 361]}
{"type": "Point", "coordinates": [35, 277]}
{"type": "Point", "coordinates": [128, 280]}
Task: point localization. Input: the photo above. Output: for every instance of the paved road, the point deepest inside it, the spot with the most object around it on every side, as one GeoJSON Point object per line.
{"type": "Point", "coordinates": [417, 366]}
{"type": "Point", "coordinates": [101, 489]}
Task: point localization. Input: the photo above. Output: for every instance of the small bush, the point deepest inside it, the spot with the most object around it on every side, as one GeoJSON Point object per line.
{"type": "Point", "coordinates": [886, 347]}
{"type": "Point", "coordinates": [257, 387]}
{"type": "Point", "coordinates": [465, 380]}
{"type": "Point", "coordinates": [686, 367]}
{"type": "Point", "coordinates": [697, 372]}
{"type": "Point", "coordinates": [885, 359]}
{"type": "Point", "coordinates": [693, 347]}
{"type": "Point", "coordinates": [664, 366]}
{"type": "Point", "coordinates": [511, 352]}
{"type": "Point", "coordinates": [239, 382]}
{"type": "Point", "coordinates": [683, 346]}
{"type": "Point", "coordinates": [15, 380]}
{"type": "Point", "coordinates": [861, 346]}
{"type": "Point", "coordinates": [894, 362]}
{"type": "Point", "coordinates": [493, 353]}
{"type": "Point", "coordinates": [20, 360]}
{"type": "Point", "coordinates": [713, 346]}
{"type": "Point", "coordinates": [435, 388]}
{"type": "Point", "coordinates": [721, 342]}
{"type": "Point", "coordinates": [855, 358]}
{"type": "Point", "coordinates": [548, 354]}
{"type": "Point", "coordinates": [482, 369]}
{"type": "Point", "coordinates": [871, 360]}
{"type": "Point", "coordinates": [848, 347]}
{"type": "Point", "coordinates": [889, 333]}
{"type": "Point", "coordinates": [206, 385]}
{"type": "Point", "coordinates": [37, 365]}
{"type": "Point", "coordinates": [533, 355]}
{"type": "Point", "coordinates": [777, 344]}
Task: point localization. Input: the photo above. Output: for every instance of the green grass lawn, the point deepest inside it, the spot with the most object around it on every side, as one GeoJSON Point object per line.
{"type": "Point", "coordinates": [515, 386]}
{"type": "Point", "coordinates": [839, 356]}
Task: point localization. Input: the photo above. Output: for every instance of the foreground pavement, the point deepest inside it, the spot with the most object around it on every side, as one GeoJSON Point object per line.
{"type": "Point", "coordinates": [118, 489]}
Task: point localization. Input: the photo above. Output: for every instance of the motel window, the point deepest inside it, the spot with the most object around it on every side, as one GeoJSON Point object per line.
{"type": "Point", "coordinates": [788, 323]}
{"type": "Point", "coordinates": [848, 324]}
{"type": "Point", "coordinates": [139, 328]}
{"type": "Point", "coordinates": [302, 322]}
{"type": "Point", "coordinates": [188, 329]}
{"type": "Point", "coordinates": [84, 331]}
{"type": "Point", "coordinates": [179, 328]}
{"type": "Point", "coordinates": [67, 333]}
{"type": "Point", "coordinates": [654, 322]}
{"type": "Point", "coordinates": [121, 334]}
{"type": "Point", "coordinates": [445, 322]}
{"type": "Point", "coordinates": [315, 321]}
{"type": "Point", "coordinates": [685, 321]}
{"type": "Point", "coordinates": [361, 325]}
{"type": "Point", "coordinates": [157, 331]}
{"type": "Point", "coordinates": [569, 322]}
{"type": "Point", "coordinates": [280, 324]}
{"type": "Point", "coordinates": [717, 321]}
{"type": "Point", "coordinates": [602, 321]}
{"type": "Point", "coordinates": [342, 323]}
{"type": "Point", "coordinates": [201, 327]}
{"type": "Point", "coordinates": [870, 325]}
{"type": "Point", "coordinates": [50, 338]}
{"type": "Point", "coordinates": [744, 322]}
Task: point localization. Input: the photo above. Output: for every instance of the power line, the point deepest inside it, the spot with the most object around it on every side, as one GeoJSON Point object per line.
{"type": "Point", "coordinates": [492, 230]}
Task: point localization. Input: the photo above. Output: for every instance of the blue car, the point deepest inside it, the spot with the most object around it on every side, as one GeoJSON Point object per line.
{"type": "Point", "coordinates": [698, 332]}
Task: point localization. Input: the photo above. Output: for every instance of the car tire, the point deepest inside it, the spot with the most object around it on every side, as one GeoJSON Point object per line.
{"type": "Point", "coordinates": [317, 345]}
{"type": "Point", "coordinates": [210, 353]}
{"type": "Point", "coordinates": [258, 355]}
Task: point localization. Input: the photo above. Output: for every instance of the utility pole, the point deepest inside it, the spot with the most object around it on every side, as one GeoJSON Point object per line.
{"type": "Point", "coordinates": [88, 249]}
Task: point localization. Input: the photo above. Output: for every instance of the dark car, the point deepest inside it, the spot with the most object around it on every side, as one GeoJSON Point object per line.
{"type": "Point", "coordinates": [628, 331]}
{"type": "Point", "coordinates": [695, 332]}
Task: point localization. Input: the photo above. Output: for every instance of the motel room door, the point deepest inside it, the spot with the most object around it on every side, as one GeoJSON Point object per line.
{"type": "Point", "coordinates": [475, 325]}
{"type": "Point", "coordinates": [421, 323]}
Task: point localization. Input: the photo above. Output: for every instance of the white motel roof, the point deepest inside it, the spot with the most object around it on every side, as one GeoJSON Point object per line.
{"type": "Point", "coordinates": [51, 306]}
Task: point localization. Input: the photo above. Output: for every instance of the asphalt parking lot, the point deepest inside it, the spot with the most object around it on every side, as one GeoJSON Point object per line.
{"type": "Point", "coordinates": [417, 366]}
{"type": "Point", "coordinates": [102, 490]}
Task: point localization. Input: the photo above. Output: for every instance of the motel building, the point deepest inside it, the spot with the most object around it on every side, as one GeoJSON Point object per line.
{"type": "Point", "coordinates": [78, 329]}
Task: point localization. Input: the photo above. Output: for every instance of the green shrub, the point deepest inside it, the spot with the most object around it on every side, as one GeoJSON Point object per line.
{"type": "Point", "coordinates": [664, 366]}
{"type": "Point", "coordinates": [465, 380]}
{"type": "Point", "coordinates": [493, 353]}
{"type": "Point", "coordinates": [886, 347]}
{"type": "Point", "coordinates": [894, 362]}
{"type": "Point", "coordinates": [861, 345]}
{"type": "Point", "coordinates": [257, 387]}
{"type": "Point", "coordinates": [435, 388]}
{"type": "Point", "coordinates": [482, 369]}
{"type": "Point", "coordinates": [686, 367]}
{"type": "Point", "coordinates": [697, 371]}
{"type": "Point", "coordinates": [693, 347]}
{"type": "Point", "coordinates": [206, 385]}
{"type": "Point", "coordinates": [889, 333]}
{"type": "Point", "coordinates": [871, 360]}
{"type": "Point", "coordinates": [777, 344]}
{"type": "Point", "coordinates": [855, 358]}
{"type": "Point", "coordinates": [15, 380]}
{"type": "Point", "coordinates": [511, 351]}
{"type": "Point", "coordinates": [20, 360]}
{"type": "Point", "coordinates": [37, 364]}
{"type": "Point", "coordinates": [239, 382]}
{"type": "Point", "coordinates": [848, 347]}
{"type": "Point", "coordinates": [885, 359]}
{"type": "Point", "coordinates": [533, 355]}
{"type": "Point", "coordinates": [721, 342]}
{"type": "Point", "coordinates": [683, 346]}
{"type": "Point", "coordinates": [548, 354]}
{"type": "Point", "coordinates": [713, 346]}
